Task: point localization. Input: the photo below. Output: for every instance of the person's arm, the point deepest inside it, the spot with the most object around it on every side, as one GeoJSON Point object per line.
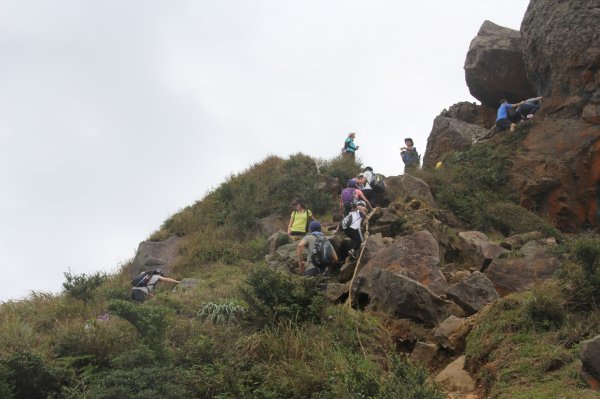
{"type": "Point", "coordinates": [289, 230]}
{"type": "Point", "coordinates": [300, 252]}
{"type": "Point", "coordinates": [335, 258]}
{"type": "Point", "coordinates": [168, 280]}
{"type": "Point", "coordinates": [362, 197]}
{"type": "Point", "coordinates": [310, 214]}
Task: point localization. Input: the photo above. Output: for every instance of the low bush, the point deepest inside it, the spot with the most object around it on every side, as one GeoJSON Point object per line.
{"type": "Point", "coordinates": [82, 286]}
{"type": "Point", "coordinates": [149, 319]}
{"type": "Point", "coordinates": [27, 376]}
{"type": "Point", "coordinates": [273, 296]}
{"type": "Point", "coordinates": [545, 308]}
{"type": "Point", "coordinates": [221, 313]}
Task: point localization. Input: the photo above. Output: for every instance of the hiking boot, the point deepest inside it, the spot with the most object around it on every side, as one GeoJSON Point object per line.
{"type": "Point", "coordinates": [351, 254]}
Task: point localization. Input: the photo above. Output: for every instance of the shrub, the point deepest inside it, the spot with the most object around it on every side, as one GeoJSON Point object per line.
{"type": "Point", "coordinates": [342, 168]}
{"type": "Point", "coordinates": [274, 296]}
{"type": "Point", "coordinates": [405, 381]}
{"type": "Point", "coordinates": [545, 308]}
{"type": "Point", "coordinates": [221, 313]}
{"type": "Point", "coordinates": [82, 286]}
{"type": "Point", "coordinates": [580, 274]}
{"type": "Point", "coordinates": [149, 319]}
{"type": "Point", "coordinates": [28, 377]}
{"type": "Point", "coordinates": [510, 219]}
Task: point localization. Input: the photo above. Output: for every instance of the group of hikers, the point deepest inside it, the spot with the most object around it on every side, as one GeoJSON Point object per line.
{"type": "Point", "coordinates": [509, 114]}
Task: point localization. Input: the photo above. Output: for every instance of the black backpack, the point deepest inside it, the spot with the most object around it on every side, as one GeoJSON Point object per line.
{"type": "Point", "coordinates": [377, 184]}
{"type": "Point", "coordinates": [141, 280]}
{"type": "Point", "coordinates": [322, 254]}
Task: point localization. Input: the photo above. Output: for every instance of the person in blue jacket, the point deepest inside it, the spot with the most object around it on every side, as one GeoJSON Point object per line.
{"type": "Point", "coordinates": [349, 146]}
{"type": "Point", "coordinates": [503, 122]}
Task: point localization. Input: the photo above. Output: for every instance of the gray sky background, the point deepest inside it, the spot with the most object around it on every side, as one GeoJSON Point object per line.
{"type": "Point", "coordinates": [116, 114]}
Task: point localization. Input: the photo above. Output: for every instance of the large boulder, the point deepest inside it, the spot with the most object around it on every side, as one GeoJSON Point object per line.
{"type": "Point", "coordinates": [473, 293]}
{"type": "Point", "coordinates": [156, 254]}
{"type": "Point", "coordinates": [590, 356]}
{"type": "Point", "coordinates": [475, 248]}
{"type": "Point", "coordinates": [400, 188]}
{"type": "Point", "coordinates": [385, 223]}
{"type": "Point", "coordinates": [472, 113]}
{"type": "Point", "coordinates": [455, 378]}
{"type": "Point", "coordinates": [271, 224]}
{"type": "Point", "coordinates": [452, 334]}
{"type": "Point", "coordinates": [562, 55]}
{"type": "Point", "coordinates": [517, 274]}
{"type": "Point", "coordinates": [448, 134]}
{"type": "Point", "coordinates": [494, 67]}
{"type": "Point", "coordinates": [416, 256]}
{"type": "Point", "coordinates": [385, 291]}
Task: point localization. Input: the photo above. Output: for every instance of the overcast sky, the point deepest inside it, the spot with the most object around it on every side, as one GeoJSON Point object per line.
{"type": "Point", "coordinates": [116, 114]}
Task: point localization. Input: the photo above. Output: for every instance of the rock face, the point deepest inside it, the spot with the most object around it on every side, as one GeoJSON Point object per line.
{"type": "Point", "coordinates": [494, 67]}
{"type": "Point", "coordinates": [452, 334]}
{"type": "Point", "coordinates": [561, 43]}
{"type": "Point", "coordinates": [448, 134]}
{"type": "Point", "coordinates": [400, 187]}
{"type": "Point", "coordinates": [401, 296]}
{"type": "Point", "coordinates": [473, 293]}
{"type": "Point", "coordinates": [455, 377]}
{"type": "Point", "coordinates": [475, 247]}
{"type": "Point", "coordinates": [416, 256]}
{"type": "Point", "coordinates": [590, 356]}
{"type": "Point", "coordinates": [156, 254]}
{"type": "Point", "coordinates": [472, 113]}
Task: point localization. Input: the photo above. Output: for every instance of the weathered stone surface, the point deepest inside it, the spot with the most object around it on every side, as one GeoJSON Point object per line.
{"type": "Point", "coordinates": [336, 292]}
{"type": "Point", "coordinates": [494, 67]}
{"type": "Point", "coordinates": [400, 187]}
{"type": "Point", "coordinates": [401, 296]}
{"type": "Point", "coordinates": [385, 223]}
{"type": "Point", "coordinates": [518, 274]}
{"type": "Point", "coordinates": [416, 256]}
{"type": "Point", "coordinates": [448, 135]}
{"type": "Point", "coordinates": [271, 224]}
{"type": "Point", "coordinates": [562, 54]}
{"type": "Point", "coordinates": [455, 377]}
{"type": "Point", "coordinates": [424, 353]}
{"type": "Point", "coordinates": [473, 293]}
{"type": "Point", "coordinates": [276, 240]}
{"type": "Point", "coordinates": [474, 247]}
{"type": "Point", "coordinates": [516, 241]}
{"type": "Point", "coordinates": [347, 270]}
{"type": "Point", "coordinates": [452, 334]}
{"type": "Point", "coordinates": [156, 254]}
{"type": "Point", "coordinates": [590, 356]}
{"type": "Point", "coordinates": [591, 113]}
{"type": "Point", "coordinates": [538, 247]}
{"type": "Point", "coordinates": [285, 257]}
{"type": "Point", "coordinates": [472, 113]}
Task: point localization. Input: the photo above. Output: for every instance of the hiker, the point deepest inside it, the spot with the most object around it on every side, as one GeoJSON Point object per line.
{"type": "Point", "coordinates": [349, 146]}
{"type": "Point", "coordinates": [320, 250]}
{"type": "Point", "coordinates": [299, 219]}
{"type": "Point", "coordinates": [351, 225]}
{"type": "Point", "coordinates": [503, 121]}
{"type": "Point", "coordinates": [143, 285]}
{"type": "Point", "coordinates": [371, 185]}
{"type": "Point", "coordinates": [410, 156]}
{"type": "Point", "coordinates": [526, 109]}
{"type": "Point", "coordinates": [351, 194]}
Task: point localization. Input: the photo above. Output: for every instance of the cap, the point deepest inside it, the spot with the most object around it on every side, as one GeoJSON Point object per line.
{"type": "Point", "coordinates": [314, 226]}
{"type": "Point", "coordinates": [352, 183]}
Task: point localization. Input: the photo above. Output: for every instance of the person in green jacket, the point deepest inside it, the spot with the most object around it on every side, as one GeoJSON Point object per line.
{"type": "Point", "coordinates": [349, 146]}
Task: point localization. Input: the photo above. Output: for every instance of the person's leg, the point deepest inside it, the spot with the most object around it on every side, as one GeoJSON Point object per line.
{"type": "Point", "coordinates": [371, 197]}
{"type": "Point", "coordinates": [502, 124]}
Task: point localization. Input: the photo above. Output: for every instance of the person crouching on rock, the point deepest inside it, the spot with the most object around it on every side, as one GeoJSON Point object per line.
{"type": "Point", "coordinates": [144, 284]}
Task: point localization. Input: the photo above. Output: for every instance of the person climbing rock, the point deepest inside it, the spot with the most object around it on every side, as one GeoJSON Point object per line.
{"type": "Point", "coordinates": [410, 156]}
{"type": "Point", "coordinates": [351, 195]}
{"type": "Point", "coordinates": [320, 251]}
{"type": "Point", "coordinates": [503, 121]}
{"type": "Point", "coordinates": [144, 284]}
{"type": "Point", "coordinates": [526, 109]}
{"type": "Point", "coordinates": [349, 147]}
{"type": "Point", "coordinates": [351, 226]}
{"type": "Point", "coordinates": [299, 219]}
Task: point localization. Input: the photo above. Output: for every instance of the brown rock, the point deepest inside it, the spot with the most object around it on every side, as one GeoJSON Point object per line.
{"type": "Point", "coordinates": [424, 353]}
{"type": "Point", "coordinates": [591, 113]}
{"type": "Point", "coordinates": [399, 188]}
{"type": "Point", "coordinates": [415, 256]}
{"type": "Point", "coordinates": [400, 296]}
{"type": "Point", "coordinates": [448, 135]}
{"type": "Point", "coordinates": [472, 113]}
{"type": "Point", "coordinates": [455, 377]}
{"type": "Point", "coordinates": [590, 356]}
{"type": "Point", "coordinates": [516, 241]}
{"type": "Point", "coordinates": [336, 293]}
{"type": "Point", "coordinates": [385, 223]}
{"type": "Point", "coordinates": [276, 240]}
{"type": "Point", "coordinates": [474, 248]}
{"type": "Point", "coordinates": [473, 293]}
{"type": "Point", "coordinates": [271, 224]}
{"type": "Point", "coordinates": [156, 254]}
{"type": "Point", "coordinates": [494, 67]}
{"type": "Point", "coordinates": [452, 334]}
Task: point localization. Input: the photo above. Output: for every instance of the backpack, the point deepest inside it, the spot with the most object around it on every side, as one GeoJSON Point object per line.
{"type": "Point", "coordinates": [141, 280]}
{"type": "Point", "coordinates": [411, 158]}
{"type": "Point", "coordinates": [377, 184]}
{"type": "Point", "coordinates": [322, 254]}
{"type": "Point", "coordinates": [348, 195]}
{"type": "Point", "coordinates": [347, 221]}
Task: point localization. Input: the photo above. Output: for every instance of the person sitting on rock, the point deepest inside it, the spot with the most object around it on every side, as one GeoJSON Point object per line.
{"type": "Point", "coordinates": [503, 121]}
{"type": "Point", "coordinates": [299, 219]}
{"type": "Point", "coordinates": [526, 109]}
{"type": "Point", "coordinates": [351, 226]}
{"type": "Point", "coordinates": [147, 281]}
{"type": "Point", "coordinates": [410, 156]}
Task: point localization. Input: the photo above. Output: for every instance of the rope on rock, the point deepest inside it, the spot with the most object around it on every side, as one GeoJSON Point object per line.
{"type": "Point", "coordinates": [362, 250]}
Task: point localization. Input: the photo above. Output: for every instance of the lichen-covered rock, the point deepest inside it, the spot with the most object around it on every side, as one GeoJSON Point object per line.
{"type": "Point", "coordinates": [494, 67]}
{"type": "Point", "coordinates": [156, 254]}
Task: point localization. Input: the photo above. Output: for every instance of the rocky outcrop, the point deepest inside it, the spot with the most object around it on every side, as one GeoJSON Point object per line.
{"type": "Point", "coordinates": [385, 223]}
{"type": "Point", "coordinates": [475, 248]}
{"type": "Point", "coordinates": [494, 67]}
{"type": "Point", "coordinates": [590, 356]}
{"type": "Point", "coordinates": [472, 113]}
{"type": "Point", "coordinates": [447, 135]}
{"type": "Point", "coordinates": [399, 188]}
{"type": "Point", "coordinates": [156, 254]}
{"type": "Point", "coordinates": [520, 273]}
{"type": "Point", "coordinates": [385, 291]}
{"type": "Point", "coordinates": [452, 334]}
{"type": "Point", "coordinates": [276, 240]}
{"type": "Point", "coordinates": [561, 44]}
{"type": "Point", "coordinates": [416, 256]}
{"type": "Point", "coordinates": [473, 293]}
{"type": "Point", "coordinates": [271, 224]}
{"type": "Point", "coordinates": [455, 377]}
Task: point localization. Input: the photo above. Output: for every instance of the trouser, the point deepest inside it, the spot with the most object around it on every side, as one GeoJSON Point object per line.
{"type": "Point", "coordinates": [355, 236]}
{"type": "Point", "coordinates": [527, 108]}
{"type": "Point", "coordinates": [371, 196]}
{"type": "Point", "coordinates": [502, 124]}
{"type": "Point", "coordinates": [138, 295]}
